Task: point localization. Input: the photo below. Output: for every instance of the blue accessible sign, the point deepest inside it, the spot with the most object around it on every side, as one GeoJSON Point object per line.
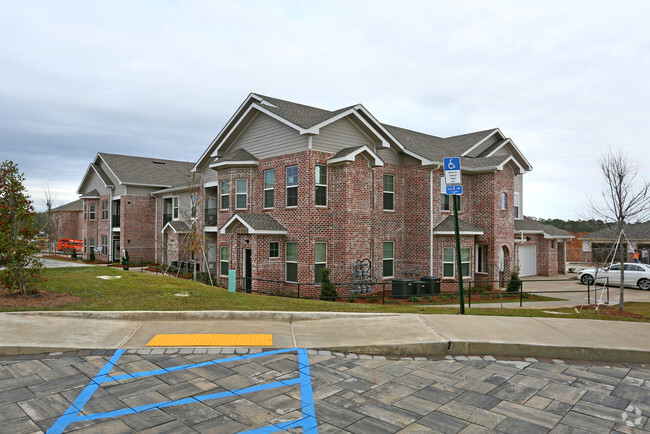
{"type": "Point", "coordinates": [452, 171]}
{"type": "Point", "coordinates": [455, 190]}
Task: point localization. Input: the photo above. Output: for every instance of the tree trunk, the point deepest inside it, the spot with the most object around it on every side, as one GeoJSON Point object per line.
{"type": "Point", "coordinates": [621, 255]}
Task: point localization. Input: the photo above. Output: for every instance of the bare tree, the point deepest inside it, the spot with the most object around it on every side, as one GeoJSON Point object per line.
{"type": "Point", "coordinates": [191, 242]}
{"type": "Point", "coordinates": [625, 199]}
{"type": "Point", "coordinates": [52, 220]}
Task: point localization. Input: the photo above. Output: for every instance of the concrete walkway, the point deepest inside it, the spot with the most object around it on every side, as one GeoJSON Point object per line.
{"type": "Point", "coordinates": [384, 334]}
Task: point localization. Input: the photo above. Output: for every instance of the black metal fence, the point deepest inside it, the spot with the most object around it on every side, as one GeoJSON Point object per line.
{"type": "Point", "coordinates": [381, 292]}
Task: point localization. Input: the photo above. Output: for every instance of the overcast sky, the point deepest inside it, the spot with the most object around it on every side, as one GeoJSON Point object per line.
{"type": "Point", "coordinates": [565, 80]}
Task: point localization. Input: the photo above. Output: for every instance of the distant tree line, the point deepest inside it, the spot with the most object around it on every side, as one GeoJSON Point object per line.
{"type": "Point", "coordinates": [574, 226]}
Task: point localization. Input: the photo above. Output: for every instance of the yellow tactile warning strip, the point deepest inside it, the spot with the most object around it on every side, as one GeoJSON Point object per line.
{"type": "Point", "coordinates": [212, 340]}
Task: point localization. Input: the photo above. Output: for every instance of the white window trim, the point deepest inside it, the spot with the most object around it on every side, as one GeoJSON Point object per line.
{"type": "Point", "coordinates": [286, 201]}
{"type": "Point", "coordinates": [221, 261]}
{"type": "Point", "coordinates": [176, 205]}
{"type": "Point", "coordinates": [222, 194]}
{"type": "Point", "coordinates": [386, 191]}
{"type": "Point", "coordinates": [92, 212]}
{"type": "Point", "coordinates": [503, 198]}
{"type": "Point", "coordinates": [274, 257]}
{"type": "Point", "coordinates": [517, 208]}
{"type": "Point", "coordinates": [323, 167]}
{"type": "Point", "coordinates": [287, 261]}
{"type": "Point", "coordinates": [267, 189]}
{"type": "Point", "coordinates": [319, 263]}
{"type": "Point", "coordinates": [477, 261]}
{"type": "Point", "coordinates": [237, 194]}
{"type": "Point", "coordinates": [387, 259]}
{"type": "Point", "coordinates": [194, 206]}
{"type": "Point", "coordinates": [469, 262]}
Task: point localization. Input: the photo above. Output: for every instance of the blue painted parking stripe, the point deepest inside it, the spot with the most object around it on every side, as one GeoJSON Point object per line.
{"type": "Point", "coordinates": [307, 422]}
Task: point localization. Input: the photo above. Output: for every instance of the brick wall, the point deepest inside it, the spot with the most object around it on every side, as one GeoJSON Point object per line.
{"type": "Point", "coordinates": [137, 227]}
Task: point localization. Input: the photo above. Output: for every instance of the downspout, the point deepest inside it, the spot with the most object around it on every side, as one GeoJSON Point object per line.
{"type": "Point", "coordinates": [109, 247]}
{"type": "Point", "coordinates": [431, 223]}
{"type": "Point", "coordinates": [155, 234]}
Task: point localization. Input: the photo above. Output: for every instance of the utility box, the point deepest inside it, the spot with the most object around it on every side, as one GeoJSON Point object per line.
{"type": "Point", "coordinates": [401, 287]}
{"type": "Point", "coordinates": [431, 285]}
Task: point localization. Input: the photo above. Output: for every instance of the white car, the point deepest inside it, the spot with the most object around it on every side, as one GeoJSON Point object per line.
{"type": "Point", "coordinates": [635, 275]}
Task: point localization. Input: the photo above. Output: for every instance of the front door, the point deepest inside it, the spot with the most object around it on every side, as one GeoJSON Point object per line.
{"type": "Point", "coordinates": [116, 249]}
{"type": "Point", "coordinates": [248, 270]}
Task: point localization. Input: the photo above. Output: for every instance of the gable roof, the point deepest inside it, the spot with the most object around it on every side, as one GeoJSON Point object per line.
{"type": "Point", "coordinates": [448, 227]}
{"type": "Point", "coordinates": [255, 223]}
{"type": "Point", "coordinates": [76, 205]}
{"type": "Point", "coordinates": [530, 226]}
{"type": "Point", "coordinates": [634, 231]}
{"type": "Point", "coordinates": [178, 226]}
{"type": "Point", "coordinates": [239, 157]}
{"type": "Point", "coordinates": [429, 149]}
{"type": "Point", "coordinates": [147, 171]}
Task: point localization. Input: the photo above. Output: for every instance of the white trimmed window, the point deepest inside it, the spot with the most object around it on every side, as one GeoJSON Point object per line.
{"type": "Point", "coordinates": [388, 268]}
{"type": "Point", "coordinates": [175, 207]}
{"type": "Point", "coordinates": [194, 199]}
{"type": "Point", "coordinates": [481, 258]}
{"type": "Point", "coordinates": [504, 201]}
{"type": "Point", "coordinates": [320, 261]}
{"type": "Point", "coordinates": [225, 194]}
{"type": "Point", "coordinates": [274, 249]}
{"type": "Point", "coordinates": [104, 244]}
{"type": "Point", "coordinates": [292, 186]}
{"type": "Point", "coordinates": [269, 188]}
{"type": "Point", "coordinates": [517, 216]}
{"type": "Point", "coordinates": [291, 259]}
{"type": "Point", "coordinates": [389, 192]}
{"type": "Point", "coordinates": [241, 193]}
{"type": "Point", "coordinates": [92, 212]}
{"type": "Point", "coordinates": [448, 261]}
{"type": "Point", "coordinates": [85, 212]}
{"type": "Point", "coordinates": [321, 185]}
{"type": "Point", "coordinates": [223, 260]}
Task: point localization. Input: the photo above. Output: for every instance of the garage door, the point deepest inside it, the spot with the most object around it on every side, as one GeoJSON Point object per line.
{"type": "Point", "coordinates": [527, 260]}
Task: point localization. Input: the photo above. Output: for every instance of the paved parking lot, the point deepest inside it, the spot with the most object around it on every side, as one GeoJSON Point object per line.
{"type": "Point", "coordinates": [238, 390]}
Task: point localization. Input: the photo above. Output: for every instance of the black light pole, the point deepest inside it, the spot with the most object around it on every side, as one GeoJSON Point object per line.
{"type": "Point", "coordinates": [458, 256]}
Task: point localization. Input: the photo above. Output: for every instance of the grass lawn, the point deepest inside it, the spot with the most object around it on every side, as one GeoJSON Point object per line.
{"type": "Point", "coordinates": [139, 291]}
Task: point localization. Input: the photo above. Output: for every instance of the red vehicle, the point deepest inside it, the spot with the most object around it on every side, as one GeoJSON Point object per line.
{"type": "Point", "coordinates": [67, 246]}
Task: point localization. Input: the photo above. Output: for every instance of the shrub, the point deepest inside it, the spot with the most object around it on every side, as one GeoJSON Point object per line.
{"type": "Point", "coordinates": [514, 284]}
{"type": "Point", "coordinates": [429, 298]}
{"type": "Point", "coordinates": [91, 257]}
{"type": "Point", "coordinates": [328, 289]}
{"type": "Point", "coordinates": [74, 254]}
{"type": "Point", "coordinates": [414, 299]}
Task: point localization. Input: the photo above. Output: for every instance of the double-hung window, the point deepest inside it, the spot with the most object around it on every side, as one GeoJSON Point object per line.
{"type": "Point", "coordinates": [175, 212]}
{"type": "Point", "coordinates": [241, 193]}
{"type": "Point", "coordinates": [104, 210]}
{"type": "Point", "coordinates": [504, 201]}
{"type": "Point", "coordinates": [321, 185]}
{"type": "Point", "coordinates": [92, 212]}
{"type": "Point", "coordinates": [389, 192]}
{"type": "Point", "coordinates": [292, 186]}
{"type": "Point", "coordinates": [320, 261]}
{"type": "Point", "coordinates": [274, 249]}
{"type": "Point", "coordinates": [292, 261]}
{"type": "Point", "coordinates": [85, 212]}
{"type": "Point", "coordinates": [223, 261]}
{"type": "Point", "coordinates": [481, 258]}
{"type": "Point", "coordinates": [104, 244]}
{"type": "Point", "coordinates": [448, 261]}
{"type": "Point", "coordinates": [388, 268]}
{"type": "Point", "coordinates": [194, 199]}
{"type": "Point", "coordinates": [269, 188]}
{"type": "Point", "coordinates": [225, 194]}
{"type": "Point", "coordinates": [517, 205]}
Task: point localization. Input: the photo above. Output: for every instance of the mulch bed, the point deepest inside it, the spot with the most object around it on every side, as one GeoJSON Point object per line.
{"type": "Point", "coordinates": [37, 299]}
{"type": "Point", "coordinates": [607, 310]}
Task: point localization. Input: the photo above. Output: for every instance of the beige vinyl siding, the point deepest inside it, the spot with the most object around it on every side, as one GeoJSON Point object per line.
{"type": "Point", "coordinates": [484, 147]}
{"type": "Point", "coordinates": [119, 189]}
{"type": "Point", "coordinates": [136, 190]}
{"type": "Point", "coordinates": [389, 156]}
{"type": "Point", "coordinates": [94, 182]}
{"type": "Point", "coordinates": [503, 151]}
{"type": "Point", "coordinates": [266, 137]}
{"type": "Point", "coordinates": [340, 135]}
{"type": "Point", "coordinates": [209, 175]}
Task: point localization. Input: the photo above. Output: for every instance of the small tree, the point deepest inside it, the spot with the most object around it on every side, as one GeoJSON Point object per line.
{"type": "Point", "coordinates": [625, 199]}
{"type": "Point", "coordinates": [18, 244]}
{"type": "Point", "coordinates": [514, 284]}
{"type": "Point", "coordinates": [328, 289]}
{"type": "Point", "coordinates": [91, 257]}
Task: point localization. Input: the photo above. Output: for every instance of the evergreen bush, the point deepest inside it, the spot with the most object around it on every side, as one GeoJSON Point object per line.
{"type": "Point", "coordinates": [328, 289]}
{"type": "Point", "coordinates": [514, 285]}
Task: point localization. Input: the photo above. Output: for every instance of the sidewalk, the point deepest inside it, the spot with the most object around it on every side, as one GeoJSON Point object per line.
{"type": "Point", "coordinates": [384, 334]}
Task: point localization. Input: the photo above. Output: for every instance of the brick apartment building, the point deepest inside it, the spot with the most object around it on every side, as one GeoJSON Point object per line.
{"type": "Point", "coordinates": [119, 208]}
{"type": "Point", "coordinates": [69, 220]}
{"type": "Point", "coordinates": [287, 189]}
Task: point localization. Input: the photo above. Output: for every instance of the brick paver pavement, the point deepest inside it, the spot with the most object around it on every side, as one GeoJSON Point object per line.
{"type": "Point", "coordinates": [351, 393]}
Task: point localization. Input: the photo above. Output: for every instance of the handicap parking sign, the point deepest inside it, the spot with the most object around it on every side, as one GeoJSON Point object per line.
{"type": "Point", "coordinates": [452, 170]}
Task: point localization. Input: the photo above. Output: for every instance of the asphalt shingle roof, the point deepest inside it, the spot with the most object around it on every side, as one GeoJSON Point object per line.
{"type": "Point", "coordinates": [635, 231]}
{"type": "Point", "coordinates": [530, 225]}
{"type": "Point", "coordinates": [238, 155]}
{"type": "Point", "coordinates": [448, 225]}
{"type": "Point", "coordinates": [148, 171]}
{"type": "Point", "coordinates": [302, 115]}
{"type": "Point", "coordinates": [179, 226]}
{"type": "Point", "coordinates": [261, 222]}
{"type": "Point", "coordinates": [76, 205]}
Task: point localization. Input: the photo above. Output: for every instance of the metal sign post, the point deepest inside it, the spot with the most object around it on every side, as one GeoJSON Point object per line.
{"type": "Point", "coordinates": [455, 189]}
